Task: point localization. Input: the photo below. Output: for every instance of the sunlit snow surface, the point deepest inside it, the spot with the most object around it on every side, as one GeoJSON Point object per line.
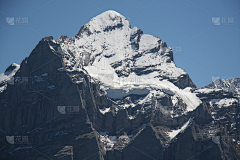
{"type": "Point", "coordinates": [226, 102]}
{"type": "Point", "coordinates": [114, 53]}
{"type": "Point", "coordinates": [173, 133]}
{"type": "Point", "coordinates": [206, 90]}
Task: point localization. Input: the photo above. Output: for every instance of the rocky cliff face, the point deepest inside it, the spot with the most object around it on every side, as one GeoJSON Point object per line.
{"type": "Point", "coordinates": [112, 92]}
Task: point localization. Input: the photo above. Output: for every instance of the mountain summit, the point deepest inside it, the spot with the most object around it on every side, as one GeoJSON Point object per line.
{"type": "Point", "coordinates": [125, 61]}
{"type": "Point", "coordinates": [112, 93]}
{"type": "Point", "coordinates": [113, 52]}
{"type": "Point", "coordinates": [104, 22]}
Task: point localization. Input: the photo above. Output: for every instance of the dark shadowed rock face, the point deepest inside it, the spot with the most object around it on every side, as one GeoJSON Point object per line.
{"type": "Point", "coordinates": [56, 109]}
{"type": "Point", "coordinates": [33, 109]}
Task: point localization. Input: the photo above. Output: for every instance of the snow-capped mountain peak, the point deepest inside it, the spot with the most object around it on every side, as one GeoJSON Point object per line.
{"type": "Point", "coordinates": [125, 60]}
{"type": "Point", "coordinates": [108, 45]}
{"type": "Point", "coordinates": [106, 21]}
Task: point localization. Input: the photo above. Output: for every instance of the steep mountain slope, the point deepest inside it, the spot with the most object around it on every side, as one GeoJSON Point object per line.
{"type": "Point", "coordinates": [112, 92]}
{"type": "Point", "coordinates": [125, 61]}
{"type": "Point", "coordinates": [110, 50]}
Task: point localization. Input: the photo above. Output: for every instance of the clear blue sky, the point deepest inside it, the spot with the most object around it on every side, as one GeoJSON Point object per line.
{"type": "Point", "coordinates": [203, 48]}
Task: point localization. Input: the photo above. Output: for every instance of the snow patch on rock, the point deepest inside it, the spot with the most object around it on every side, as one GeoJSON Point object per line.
{"type": "Point", "coordinates": [173, 133]}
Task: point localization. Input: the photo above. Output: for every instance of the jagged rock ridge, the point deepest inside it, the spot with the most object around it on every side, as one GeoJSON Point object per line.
{"type": "Point", "coordinates": [230, 85]}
